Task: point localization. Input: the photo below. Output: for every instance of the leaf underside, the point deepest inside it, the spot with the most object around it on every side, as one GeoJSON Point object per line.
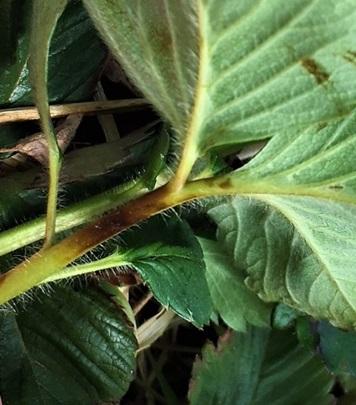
{"type": "Point", "coordinates": [293, 236]}
{"type": "Point", "coordinates": [232, 72]}
{"type": "Point", "coordinates": [236, 304]}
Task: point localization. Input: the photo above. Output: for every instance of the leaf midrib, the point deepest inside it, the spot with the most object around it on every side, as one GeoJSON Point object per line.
{"type": "Point", "coordinates": [192, 145]}
{"type": "Point", "coordinates": [246, 186]}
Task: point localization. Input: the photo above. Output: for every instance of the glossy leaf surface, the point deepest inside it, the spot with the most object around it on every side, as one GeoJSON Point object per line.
{"type": "Point", "coordinates": [70, 346]}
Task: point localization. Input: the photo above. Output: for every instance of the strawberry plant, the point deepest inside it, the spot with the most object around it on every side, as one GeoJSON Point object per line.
{"type": "Point", "coordinates": [178, 201]}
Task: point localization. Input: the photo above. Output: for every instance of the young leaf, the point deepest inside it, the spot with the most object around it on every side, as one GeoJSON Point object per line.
{"type": "Point", "coordinates": [227, 72]}
{"type": "Point", "coordinates": [236, 304]}
{"type": "Point", "coordinates": [72, 347]}
{"type": "Point", "coordinates": [300, 246]}
{"type": "Point", "coordinates": [259, 367]}
{"type": "Point", "coordinates": [169, 259]}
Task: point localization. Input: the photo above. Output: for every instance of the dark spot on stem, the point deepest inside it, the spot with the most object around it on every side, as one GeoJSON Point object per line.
{"type": "Point", "coordinates": [2, 278]}
{"type": "Point", "coordinates": [336, 187]}
{"type": "Point", "coordinates": [315, 69]}
{"type": "Point", "coordinates": [120, 219]}
{"type": "Point", "coordinates": [225, 184]}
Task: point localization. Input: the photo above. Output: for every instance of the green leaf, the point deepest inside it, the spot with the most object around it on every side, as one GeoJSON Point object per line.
{"type": "Point", "coordinates": [169, 259]}
{"type": "Point", "coordinates": [294, 233]}
{"type": "Point", "coordinates": [72, 347]}
{"type": "Point", "coordinates": [305, 330]}
{"type": "Point", "coordinates": [157, 44]}
{"type": "Point", "coordinates": [7, 31]}
{"type": "Point", "coordinates": [156, 161]}
{"type": "Point", "coordinates": [236, 304]}
{"type": "Point", "coordinates": [72, 73]}
{"type": "Point", "coordinates": [14, 32]}
{"type": "Point", "coordinates": [71, 77]}
{"type": "Point", "coordinates": [338, 349]}
{"type": "Point", "coordinates": [259, 367]}
{"type": "Point", "coordinates": [227, 72]}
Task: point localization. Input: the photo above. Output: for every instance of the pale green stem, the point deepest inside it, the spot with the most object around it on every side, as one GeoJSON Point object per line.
{"type": "Point", "coordinates": [50, 261]}
{"type": "Point", "coordinates": [54, 169]}
{"type": "Point", "coordinates": [53, 259]}
{"type": "Point", "coordinates": [191, 152]}
{"type": "Point", "coordinates": [44, 20]}
{"type": "Point", "coordinates": [114, 260]}
{"type": "Point", "coordinates": [67, 218]}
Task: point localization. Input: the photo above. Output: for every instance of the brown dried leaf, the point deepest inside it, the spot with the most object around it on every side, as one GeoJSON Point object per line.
{"type": "Point", "coordinates": [35, 146]}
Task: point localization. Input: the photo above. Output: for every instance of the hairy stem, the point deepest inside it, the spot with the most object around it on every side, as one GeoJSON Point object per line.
{"type": "Point", "coordinates": [54, 258]}
{"type": "Point", "coordinates": [191, 150]}
{"type": "Point", "coordinates": [54, 169]}
{"type": "Point", "coordinates": [44, 20]}
{"type": "Point", "coordinates": [68, 218]}
{"type": "Point", "coordinates": [87, 268]}
{"type": "Point", "coordinates": [51, 260]}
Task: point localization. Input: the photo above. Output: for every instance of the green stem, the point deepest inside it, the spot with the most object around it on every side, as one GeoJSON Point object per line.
{"type": "Point", "coordinates": [44, 20]}
{"type": "Point", "coordinates": [114, 260]}
{"type": "Point", "coordinates": [53, 259]}
{"type": "Point", "coordinates": [54, 170]}
{"type": "Point", "coordinates": [67, 218]}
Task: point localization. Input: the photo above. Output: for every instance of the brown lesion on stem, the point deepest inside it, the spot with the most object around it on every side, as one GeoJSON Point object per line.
{"type": "Point", "coordinates": [3, 278]}
{"type": "Point", "coordinates": [122, 218]}
{"type": "Point", "coordinates": [84, 239]}
{"type": "Point", "coordinates": [52, 259]}
{"type": "Point", "coordinates": [225, 184]}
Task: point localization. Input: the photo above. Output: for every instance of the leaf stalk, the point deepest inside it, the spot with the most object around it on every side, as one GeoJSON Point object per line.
{"type": "Point", "coordinates": [52, 259]}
